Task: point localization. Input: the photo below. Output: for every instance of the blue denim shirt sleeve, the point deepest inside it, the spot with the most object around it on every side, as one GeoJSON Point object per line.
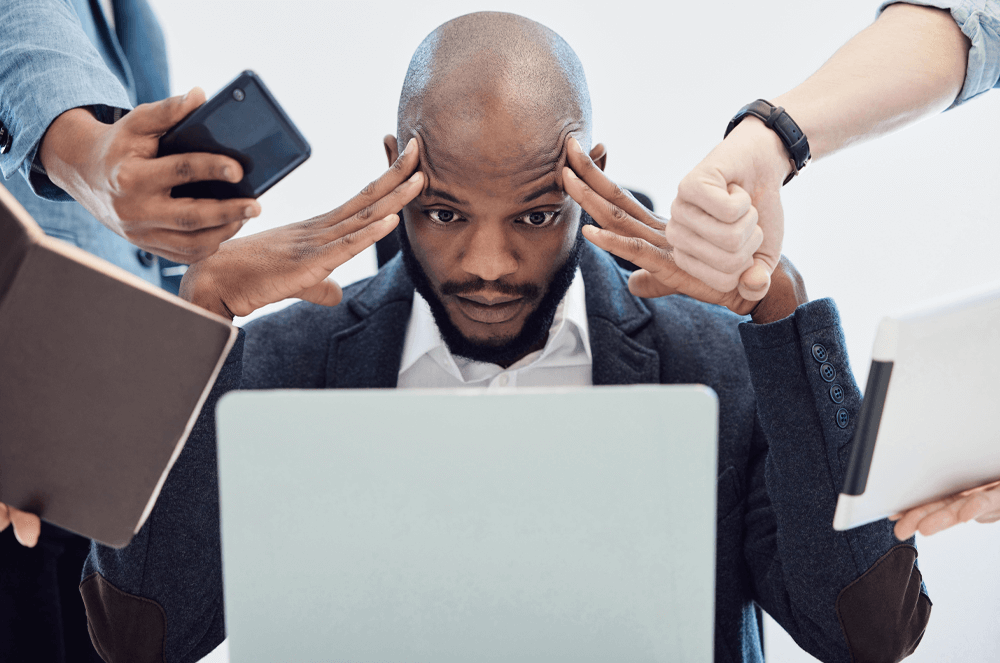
{"type": "Point", "coordinates": [980, 22]}
{"type": "Point", "coordinates": [48, 65]}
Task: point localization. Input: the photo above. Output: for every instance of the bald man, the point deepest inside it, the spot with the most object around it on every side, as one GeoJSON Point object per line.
{"type": "Point", "coordinates": [497, 286]}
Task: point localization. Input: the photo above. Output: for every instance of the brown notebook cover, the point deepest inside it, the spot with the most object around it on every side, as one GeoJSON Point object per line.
{"type": "Point", "coordinates": [102, 377]}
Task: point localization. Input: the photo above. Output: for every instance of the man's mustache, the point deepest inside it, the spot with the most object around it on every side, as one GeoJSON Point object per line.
{"type": "Point", "coordinates": [479, 286]}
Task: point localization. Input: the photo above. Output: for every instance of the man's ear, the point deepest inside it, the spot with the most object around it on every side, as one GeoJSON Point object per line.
{"type": "Point", "coordinates": [599, 155]}
{"type": "Point", "coordinates": [392, 148]}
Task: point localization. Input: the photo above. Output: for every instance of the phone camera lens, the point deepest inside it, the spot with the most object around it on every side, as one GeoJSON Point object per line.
{"type": "Point", "coordinates": [238, 94]}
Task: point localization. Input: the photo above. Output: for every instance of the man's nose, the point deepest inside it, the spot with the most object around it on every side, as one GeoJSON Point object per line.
{"type": "Point", "coordinates": [488, 253]}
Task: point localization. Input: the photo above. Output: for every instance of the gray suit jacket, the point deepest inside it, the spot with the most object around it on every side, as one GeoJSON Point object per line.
{"type": "Point", "coordinates": [843, 596]}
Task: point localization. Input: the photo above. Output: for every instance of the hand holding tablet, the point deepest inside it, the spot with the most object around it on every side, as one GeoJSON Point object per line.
{"type": "Point", "coordinates": [981, 504]}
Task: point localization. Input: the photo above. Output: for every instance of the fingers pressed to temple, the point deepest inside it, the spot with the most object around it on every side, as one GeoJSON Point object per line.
{"type": "Point", "coordinates": [608, 215]}
{"type": "Point", "coordinates": [338, 252]}
{"type": "Point", "coordinates": [583, 166]}
{"type": "Point", "coordinates": [389, 204]}
{"type": "Point", "coordinates": [633, 249]}
{"type": "Point", "coordinates": [398, 173]}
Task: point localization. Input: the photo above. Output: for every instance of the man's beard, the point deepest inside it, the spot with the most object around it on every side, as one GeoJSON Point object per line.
{"type": "Point", "coordinates": [506, 350]}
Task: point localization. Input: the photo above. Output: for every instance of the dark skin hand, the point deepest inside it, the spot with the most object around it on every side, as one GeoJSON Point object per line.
{"type": "Point", "coordinates": [112, 170]}
{"type": "Point", "coordinates": [295, 260]}
{"type": "Point", "coordinates": [633, 232]}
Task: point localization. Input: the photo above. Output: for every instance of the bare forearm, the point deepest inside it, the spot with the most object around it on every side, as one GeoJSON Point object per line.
{"type": "Point", "coordinates": [66, 153]}
{"type": "Point", "coordinates": [909, 64]}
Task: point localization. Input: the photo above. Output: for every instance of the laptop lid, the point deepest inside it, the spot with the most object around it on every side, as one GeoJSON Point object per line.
{"type": "Point", "coordinates": [445, 526]}
{"type": "Point", "coordinates": [927, 427]}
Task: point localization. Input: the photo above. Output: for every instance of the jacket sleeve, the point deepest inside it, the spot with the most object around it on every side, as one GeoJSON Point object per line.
{"type": "Point", "coordinates": [843, 596]}
{"type": "Point", "coordinates": [48, 65]}
{"type": "Point", "coordinates": [159, 599]}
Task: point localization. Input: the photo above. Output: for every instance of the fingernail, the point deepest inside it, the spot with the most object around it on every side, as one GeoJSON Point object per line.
{"type": "Point", "coordinates": [410, 146]}
{"type": "Point", "coordinates": [414, 177]}
{"type": "Point", "coordinates": [249, 212]}
{"type": "Point", "coordinates": [571, 175]}
{"type": "Point", "coordinates": [227, 173]}
{"type": "Point", "coordinates": [575, 144]}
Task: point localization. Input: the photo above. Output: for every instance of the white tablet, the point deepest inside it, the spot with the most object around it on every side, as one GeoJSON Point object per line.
{"type": "Point", "coordinates": [928, 426]}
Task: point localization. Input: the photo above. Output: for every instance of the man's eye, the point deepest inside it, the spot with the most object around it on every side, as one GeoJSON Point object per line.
{"type": "Point", "coordinates": [442, 215]}
{"type": "Point", "coordinates": [537, 219]}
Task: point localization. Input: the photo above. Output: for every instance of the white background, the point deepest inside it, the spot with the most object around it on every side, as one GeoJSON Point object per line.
{"type": "Point", "coordinates": [880, 227]}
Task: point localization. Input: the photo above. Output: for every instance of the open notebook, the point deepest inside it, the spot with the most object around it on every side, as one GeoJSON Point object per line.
{"type": "Point", "coordinates": [102, 376]}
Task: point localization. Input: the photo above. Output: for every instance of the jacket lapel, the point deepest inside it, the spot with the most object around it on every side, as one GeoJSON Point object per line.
{"type": "Point", "coordinates": [368, 353]}
{"type": "Point", "coordinates": [624, 351]}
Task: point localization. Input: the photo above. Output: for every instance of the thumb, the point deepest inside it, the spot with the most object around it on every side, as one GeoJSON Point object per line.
{"type": "Point", "coordinates": [325, 293]}
{"type": "Point", "coordinates": [27, 527]}
{"type": "Point", "coordinates": [156, 118]}
{"type": "Point", "coordinates": [755, 281]}
{"type": "Point", "coordinates": [643, 284]}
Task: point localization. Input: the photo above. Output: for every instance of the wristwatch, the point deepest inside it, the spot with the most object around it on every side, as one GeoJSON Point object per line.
{"type": "Point", "coordinates": [777, 120]}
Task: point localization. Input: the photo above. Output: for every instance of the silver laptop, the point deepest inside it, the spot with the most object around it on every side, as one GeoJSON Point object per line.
{"type": "Point", "coordinates": [442, 526]}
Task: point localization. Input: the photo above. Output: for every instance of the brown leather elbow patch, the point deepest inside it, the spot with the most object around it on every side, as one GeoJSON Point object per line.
{"type": "Point", "coordinates": [883, 614]}
{"type": "Point", "coordinates": [123, 627]}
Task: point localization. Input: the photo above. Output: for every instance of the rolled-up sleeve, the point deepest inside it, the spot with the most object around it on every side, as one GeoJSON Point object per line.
{"type": "Point", "coordinates": [47, 66]}
{"type": "Point", "coordinates": [980, 22]}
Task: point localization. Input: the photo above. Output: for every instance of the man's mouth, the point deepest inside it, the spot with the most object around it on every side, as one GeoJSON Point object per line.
{"type": "Point", "coordinates": [490, 310]}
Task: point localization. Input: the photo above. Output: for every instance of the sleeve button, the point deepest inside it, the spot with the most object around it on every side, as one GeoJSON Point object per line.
{"type": "Point", "coordinates": [819, 353]}
{"type": "Point", "coordinates": [6, 138]}
{"type": "Point", "coordinates": [843, 418]}
{"type": "Point", "coordinates": [827, 372]}
{"type": "Point", "coordinates": [837, 394]}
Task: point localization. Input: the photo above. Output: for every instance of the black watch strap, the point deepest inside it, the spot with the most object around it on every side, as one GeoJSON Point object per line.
{"type": "Point", "coordinates": [777, 120]}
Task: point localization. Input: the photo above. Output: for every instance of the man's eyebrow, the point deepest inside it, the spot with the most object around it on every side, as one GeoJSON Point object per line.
{"type": "Point", "coordinates": [438, 193]}
{"type": "Point", "coordinates": [552, 187]}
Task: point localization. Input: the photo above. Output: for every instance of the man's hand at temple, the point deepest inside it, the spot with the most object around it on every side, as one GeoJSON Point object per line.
{"type": "Point", "coordinates": [27, 526]}
{"type": "Point", "coordinates": [113, 171]}
{"type": "Point", "coordinates": [631, 231]}
{"type": "Point", "coordinates": [295, 260]}
{"type": "Point", "coordinates": [981, 504]}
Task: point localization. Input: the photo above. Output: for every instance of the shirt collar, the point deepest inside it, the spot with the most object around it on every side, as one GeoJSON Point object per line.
{"type": "Point", "coordinates": [569, 328]}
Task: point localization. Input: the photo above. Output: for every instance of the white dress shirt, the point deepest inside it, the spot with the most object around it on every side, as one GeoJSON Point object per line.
{"type": "Point", "coordinates": [564, 361]}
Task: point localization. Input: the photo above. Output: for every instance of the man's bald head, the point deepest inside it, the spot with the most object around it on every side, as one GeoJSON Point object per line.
{"type": "Point", "coordinates": [495, 84]}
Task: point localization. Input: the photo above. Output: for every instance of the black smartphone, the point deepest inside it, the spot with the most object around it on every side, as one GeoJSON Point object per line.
{"type": "Point", "coordinates": [245, 122]}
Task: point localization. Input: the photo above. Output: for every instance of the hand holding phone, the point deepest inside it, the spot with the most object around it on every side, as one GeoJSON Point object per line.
{"type": "Point", "coordinates": [245, 122]}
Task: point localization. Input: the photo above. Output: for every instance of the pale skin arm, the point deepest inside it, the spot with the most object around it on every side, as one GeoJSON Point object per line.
{"type": "Point", "coordinates": [908, 65]}
{"type": "Point", "coordinates": [112, 170]}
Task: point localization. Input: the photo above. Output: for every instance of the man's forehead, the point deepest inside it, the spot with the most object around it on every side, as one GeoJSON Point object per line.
{"type": "Point", "coordinates": [501, 152]}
